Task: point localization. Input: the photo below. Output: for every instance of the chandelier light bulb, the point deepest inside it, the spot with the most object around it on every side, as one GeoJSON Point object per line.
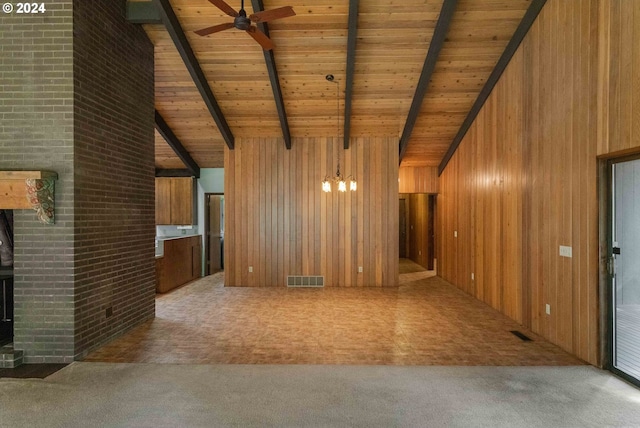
{"type": "Point", "coordinates": [342, 185]}
{"type": "Point", "coordinates": [326, 185]}
{"type": "Point", "coordinates": [353, 185]}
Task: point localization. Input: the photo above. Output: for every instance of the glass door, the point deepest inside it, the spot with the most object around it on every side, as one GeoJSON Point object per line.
{"type": "Point", "coordinates": [625, 253]}
{"type": "Point", "coordinates": [6, 276]}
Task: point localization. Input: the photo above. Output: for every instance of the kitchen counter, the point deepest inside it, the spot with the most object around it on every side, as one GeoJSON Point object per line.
{"type": "Point", "coordinates": [168, 238]}
{"type": "Point", "coordinates": [178, 262]}
{"type": "Point", "coordinates": [160, 240]}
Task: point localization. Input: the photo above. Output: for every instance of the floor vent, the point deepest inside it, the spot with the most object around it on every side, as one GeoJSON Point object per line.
{"type": "Point", "coordinates": [522, 336]}
{"type": "Point", "coordinates": [305, 281]}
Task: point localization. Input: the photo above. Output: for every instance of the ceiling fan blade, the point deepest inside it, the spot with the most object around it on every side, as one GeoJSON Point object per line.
{"type": "Point", "coordinates": [261, 38]}
{"type": "Point", "coordinates": [214, 29]}
{"type": "Point", "coordinates": [270, 15]}
{"type": "Point", "coordinates": [220, 4]}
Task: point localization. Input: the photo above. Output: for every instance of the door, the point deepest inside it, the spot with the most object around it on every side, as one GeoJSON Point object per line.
{"type": "Point", "coordinates": [215, 233]}
{"type": "Point", "coordinates": [625, 253]}
{"type": "Point", "coordinates": [403, 228]}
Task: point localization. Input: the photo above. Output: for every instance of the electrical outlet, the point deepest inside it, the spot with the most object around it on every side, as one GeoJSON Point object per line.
{"type": "Point", "coordinates": [359, 269]}
{"type": "Point", "coordinates": [250, 269]}
{"type": "Point", "coordinates": [455, 233]}
{"type": "Point", "coordinates": [472, 276]}
{"type": "Point", "coordinates": [565, 251]}
{"type": "Point", "coordinates": [547, 309]}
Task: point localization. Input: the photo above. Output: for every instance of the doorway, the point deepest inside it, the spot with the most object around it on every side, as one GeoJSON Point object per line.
{"type": "Point", "coordinates": [214, 233]}
{"type": "Point", "coordinates": [624, 269]}
{"type": "Point", "coordinates": [417, 228]}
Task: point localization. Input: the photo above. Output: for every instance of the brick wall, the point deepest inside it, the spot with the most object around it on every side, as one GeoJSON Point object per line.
{"type": "Point", "coordinates": [36, 132]}
{"type": "Point", "coordinates": [114, 173]}
{"type": "Point", "coordinates": [76, 97]}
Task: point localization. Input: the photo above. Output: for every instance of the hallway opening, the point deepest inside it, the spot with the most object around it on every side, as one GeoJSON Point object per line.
{"type": "Point", "coordinates": [416, 220]}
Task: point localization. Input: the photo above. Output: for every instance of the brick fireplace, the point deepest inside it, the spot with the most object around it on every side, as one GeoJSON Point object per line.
{"type": "Point", "coordinates": [78, 99]}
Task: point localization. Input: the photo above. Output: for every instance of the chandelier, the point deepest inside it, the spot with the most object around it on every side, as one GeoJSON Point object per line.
{"type": "Point", "coordinates": [338, 179]}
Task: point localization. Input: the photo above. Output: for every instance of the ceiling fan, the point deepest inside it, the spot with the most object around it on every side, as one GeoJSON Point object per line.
{"type": "Point", "coordinates": [242, 22]}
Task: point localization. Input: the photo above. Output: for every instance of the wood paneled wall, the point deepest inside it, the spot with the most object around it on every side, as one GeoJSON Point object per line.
{"type": "Point", "coordinates": [523, 181]}
{"type": "Point", "coordinates": [419, 179]}
{"type": "Point", "coordinates": [619, 84]}
{"type": "Point", "coordinates": [280, 222]}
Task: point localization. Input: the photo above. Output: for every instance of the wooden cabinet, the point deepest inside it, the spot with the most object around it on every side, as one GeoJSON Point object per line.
{"type": "Point", "coordinates": [181, 201]}
{"type": "Point", "coordinates": [163, 201]}
{"type": "Point", "coordinates": [174, 200]}
{"type": "Point", "coordinates": [180, 264]}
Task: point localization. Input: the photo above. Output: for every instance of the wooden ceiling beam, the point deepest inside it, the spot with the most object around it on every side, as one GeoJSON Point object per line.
{"type": "Point", "coordinates": [270, 60]}
{"type": "Point", "coordinates": [172, 25]}
{"type": "Point", "coordinates": [160, 172]}
{"type": "Point", "coordinates": [523, 28]}
{"type": "Point", "coordinates": [173, 141]}
{"type": "Point", "coordinates": [439, 36]}
{"type": "Point", "coordinates": [352, 37]}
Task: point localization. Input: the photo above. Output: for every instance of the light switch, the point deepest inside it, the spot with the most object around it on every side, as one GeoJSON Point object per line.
{"type": "Point", "coordinates": [360, 269]}
{"type": "Point", "coordinates": [250, 269]}
{"type": "Point", "coordinates": [548, 309]}
{"type": "Point", "coordinates": [455, 233]}
{"type": "Point", "coordinates": [472, 276]}
{"type": "Point", "coordinates": [565, 251]}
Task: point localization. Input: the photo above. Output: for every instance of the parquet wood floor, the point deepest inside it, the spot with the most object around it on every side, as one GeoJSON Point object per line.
{"type": "Point", "coordinates": [425, 321]}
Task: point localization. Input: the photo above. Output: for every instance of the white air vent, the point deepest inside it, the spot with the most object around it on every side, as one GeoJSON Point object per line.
{"type": "Point", "coordinates": [305, 281]}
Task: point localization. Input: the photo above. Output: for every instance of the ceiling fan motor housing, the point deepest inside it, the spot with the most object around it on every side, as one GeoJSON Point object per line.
{"type": "Point", "coordinates": [241, 22]}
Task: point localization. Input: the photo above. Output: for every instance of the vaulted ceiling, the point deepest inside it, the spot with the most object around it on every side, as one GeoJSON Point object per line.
{"type": "Point", "coordinates": [392, 41]}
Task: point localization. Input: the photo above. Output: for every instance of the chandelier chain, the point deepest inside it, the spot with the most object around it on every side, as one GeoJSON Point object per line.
{"type": "Point", "coordinates": [338, 121]}
{"type": "Point", "coordinates": [339, 179]}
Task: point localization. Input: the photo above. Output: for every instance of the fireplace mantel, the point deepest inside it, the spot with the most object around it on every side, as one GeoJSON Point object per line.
{"type": "Point", "coordinates": [29, 190]}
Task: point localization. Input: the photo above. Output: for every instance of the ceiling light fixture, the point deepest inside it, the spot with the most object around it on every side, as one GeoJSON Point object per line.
{"type": "Point", "coordinates": [339, 178]}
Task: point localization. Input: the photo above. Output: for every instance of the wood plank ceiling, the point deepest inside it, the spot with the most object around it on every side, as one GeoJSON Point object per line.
{"type": "Point", "coordinates": [392, 42]}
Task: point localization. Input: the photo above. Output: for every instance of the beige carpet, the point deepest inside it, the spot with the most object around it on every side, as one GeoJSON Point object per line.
{"type": "Point", "coordinates": [156, 396]}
